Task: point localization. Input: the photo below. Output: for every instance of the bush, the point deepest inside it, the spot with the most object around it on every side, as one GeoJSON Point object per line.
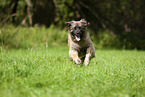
{"type": "Point", "coordinates": [133, 40]}
{"type": "Point", "coordinates": [24, 37]}
{"type": "Point", "coordinates": [104, 40]}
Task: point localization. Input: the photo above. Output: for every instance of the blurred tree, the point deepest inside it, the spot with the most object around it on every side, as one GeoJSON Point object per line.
{"type": "Point", "coordinates": [14, 10]}
{"type": "Point", "coordinates": [44, 12]}
{"type": "Point", "coordinates": [123, 19]}
{"type": "Point", "coordinates": [7, 10]}
{"type": "Point", "coordinates": [29, 13]}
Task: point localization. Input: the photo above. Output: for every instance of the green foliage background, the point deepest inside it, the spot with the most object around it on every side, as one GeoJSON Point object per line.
{"type": "Point", "coordinates": [40, 37]}
{"type": "Point", "coordinates": [113, 23]}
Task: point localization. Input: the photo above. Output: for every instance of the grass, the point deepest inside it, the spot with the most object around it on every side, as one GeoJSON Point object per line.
{"type": "Point", "coordinates": [49, 73]}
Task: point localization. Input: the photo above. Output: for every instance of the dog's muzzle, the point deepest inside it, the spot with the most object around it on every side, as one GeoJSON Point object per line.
{"type": "Point", "coordinates": [76, 34]}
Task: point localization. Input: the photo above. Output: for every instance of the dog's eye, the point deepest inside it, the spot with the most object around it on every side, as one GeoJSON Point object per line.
{"type": "Point", "coordinates": [79, 27]}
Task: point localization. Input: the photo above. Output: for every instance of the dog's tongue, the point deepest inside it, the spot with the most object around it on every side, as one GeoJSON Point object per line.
{"type": "Point", "coordinates": [77, 38]}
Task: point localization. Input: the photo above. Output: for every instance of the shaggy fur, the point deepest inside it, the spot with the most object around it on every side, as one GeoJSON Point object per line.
{"type": "Point", "coordinates": [81, 48]}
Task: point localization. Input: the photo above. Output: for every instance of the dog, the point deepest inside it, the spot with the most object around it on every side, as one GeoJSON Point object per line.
{"type": "Point", "coordinates": [81, 48]}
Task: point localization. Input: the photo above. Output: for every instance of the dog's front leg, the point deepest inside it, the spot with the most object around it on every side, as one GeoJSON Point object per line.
{"type": "Point", "coordinates": [74, 56]}
{"type": "Point", "coordinates": [87, 59]}
{"type": "Point", "coordinates": [88, 55]}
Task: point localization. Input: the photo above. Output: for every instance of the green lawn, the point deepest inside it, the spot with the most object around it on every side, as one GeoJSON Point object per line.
{"type": "Point", "coordinates": [49, 73]}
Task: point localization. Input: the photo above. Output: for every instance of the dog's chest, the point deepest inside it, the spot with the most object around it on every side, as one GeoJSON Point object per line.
{"type": "Point", "coordinates": [80, 49]}
{"type": "Point", "coordinates": [82, 52]}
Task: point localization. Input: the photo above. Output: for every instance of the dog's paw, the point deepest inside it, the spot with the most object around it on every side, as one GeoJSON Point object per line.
{"type": "Point", "coordinates": [86, 62]}
{"type": "Point", "coordinates": [78, 61]}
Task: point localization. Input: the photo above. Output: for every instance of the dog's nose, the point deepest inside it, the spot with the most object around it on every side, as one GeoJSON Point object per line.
{"type": "Point", "coordinates": [77, 28]}
{"type": "Point", "coordinates": [77, 31]}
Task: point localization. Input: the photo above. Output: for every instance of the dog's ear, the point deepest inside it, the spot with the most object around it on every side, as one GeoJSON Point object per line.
{"type": "Point", "coordinates": [68, 23]}
{"type": "Point", "coordinates": [84, 22]}
{"type": "Point", "coordinates": [87, 24]}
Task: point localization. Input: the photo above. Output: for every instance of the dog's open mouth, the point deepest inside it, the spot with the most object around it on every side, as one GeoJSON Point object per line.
{"type": "Point", "coordinates": [77, 38]}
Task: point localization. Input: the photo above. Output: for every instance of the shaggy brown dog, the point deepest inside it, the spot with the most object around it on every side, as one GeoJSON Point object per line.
{"type": "Point", "coordinates": [81, 48]}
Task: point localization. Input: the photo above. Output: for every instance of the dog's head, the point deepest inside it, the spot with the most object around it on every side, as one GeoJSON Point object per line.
{"type": "Point", "coordinates": [77, 29]}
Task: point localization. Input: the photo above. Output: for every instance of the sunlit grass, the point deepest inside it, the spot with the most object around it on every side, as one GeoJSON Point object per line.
{"type": "Point", "coordinates": [49, 73]}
